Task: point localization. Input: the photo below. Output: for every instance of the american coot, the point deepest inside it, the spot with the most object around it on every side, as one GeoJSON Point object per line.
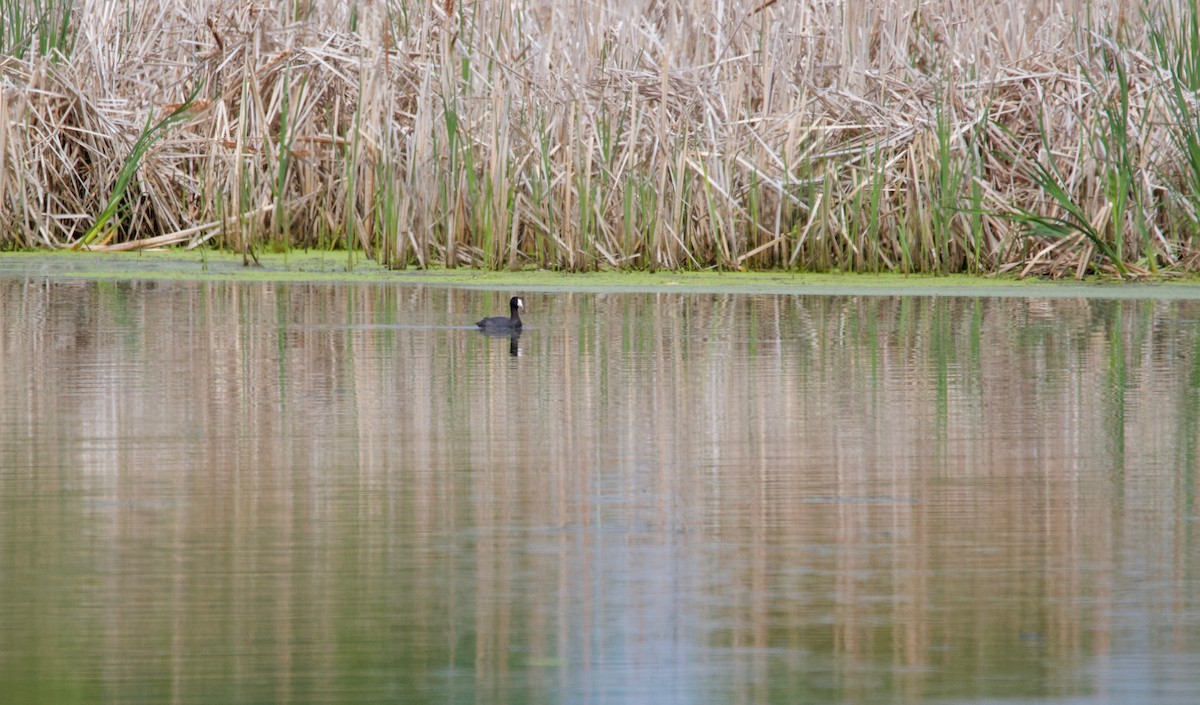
{"type": "Point", "coordinates": [500, 323]}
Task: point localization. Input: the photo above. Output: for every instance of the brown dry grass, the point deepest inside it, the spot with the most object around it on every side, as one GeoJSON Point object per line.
{"type": "Point", "coordinates": [865, 134]}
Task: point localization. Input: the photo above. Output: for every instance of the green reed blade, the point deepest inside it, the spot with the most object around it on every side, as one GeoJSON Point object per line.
{"type": "Point", "coordinates": [150, 134]}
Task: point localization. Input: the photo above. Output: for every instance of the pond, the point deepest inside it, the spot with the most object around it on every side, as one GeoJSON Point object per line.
{"type": "Point", "coordinates": [247, 492]}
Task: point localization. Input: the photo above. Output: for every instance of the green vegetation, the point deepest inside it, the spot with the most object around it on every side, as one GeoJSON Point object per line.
{"type": "Point", "coordinates": [500, 136]}
{"type": "Point", "coordinates": [36, 28]}
{"type": "Point", "coordinates": [331, 265]}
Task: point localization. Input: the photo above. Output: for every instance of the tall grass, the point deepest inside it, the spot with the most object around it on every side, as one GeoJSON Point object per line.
{"type": "Point", "coordinates": [944, 137]}
{"type": "Point", "coordinates": [150, 134]}
{"type": "Point", "coordinates": [1174, 35]}
{"type": "Point", "coordinates": [36, 28]}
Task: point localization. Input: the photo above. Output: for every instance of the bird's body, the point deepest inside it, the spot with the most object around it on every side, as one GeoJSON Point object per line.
{"type": "Point", "coordinates": [500, 323]}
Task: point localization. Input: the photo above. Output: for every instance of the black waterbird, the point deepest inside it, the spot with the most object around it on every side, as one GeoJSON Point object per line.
{"type": "Point", "coordinates": [500, 323]}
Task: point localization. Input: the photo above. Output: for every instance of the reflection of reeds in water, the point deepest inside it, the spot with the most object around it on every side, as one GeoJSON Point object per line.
{"type": "Point", "coordinates": [620, 134]}
{"type": "Point", "coordinates": [888, 483]}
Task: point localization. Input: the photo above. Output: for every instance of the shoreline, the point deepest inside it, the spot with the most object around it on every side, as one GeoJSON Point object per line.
{"type": "Point", "coordinates": [312, 266]}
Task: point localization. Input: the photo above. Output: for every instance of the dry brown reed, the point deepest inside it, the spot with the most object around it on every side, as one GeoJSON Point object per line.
{"type": "Point", "coordinates": [861, 135]}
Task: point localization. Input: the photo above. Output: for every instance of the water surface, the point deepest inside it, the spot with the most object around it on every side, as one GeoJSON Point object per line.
{"type": "Point", "coordinates": [337, 493]}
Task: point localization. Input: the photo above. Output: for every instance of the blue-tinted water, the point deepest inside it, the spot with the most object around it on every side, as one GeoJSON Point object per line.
{"type": "Point", "coordinates": [337, 493]}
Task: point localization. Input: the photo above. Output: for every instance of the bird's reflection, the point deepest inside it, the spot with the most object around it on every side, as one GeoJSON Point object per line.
{"type": "Point", "coordinates": [514, 337]}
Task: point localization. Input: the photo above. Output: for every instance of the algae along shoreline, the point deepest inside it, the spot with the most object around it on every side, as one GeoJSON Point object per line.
{"type": "Point", "coordinates": [339, 266]}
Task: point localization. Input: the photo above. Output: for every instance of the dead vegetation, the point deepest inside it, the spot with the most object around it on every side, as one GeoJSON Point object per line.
{"type": "Point", "coordinates": [942, 136]}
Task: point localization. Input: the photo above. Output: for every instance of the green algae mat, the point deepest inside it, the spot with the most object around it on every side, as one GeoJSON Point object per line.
{"type": "Point", "coordinates": [316, 266]}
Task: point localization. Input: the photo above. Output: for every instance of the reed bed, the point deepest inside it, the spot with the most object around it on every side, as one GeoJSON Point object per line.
{"type": "Point", "coordinates": [1057, 138]}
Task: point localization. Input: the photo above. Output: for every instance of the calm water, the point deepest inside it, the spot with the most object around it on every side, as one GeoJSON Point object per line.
{"type": "Point", "coordinates": [219, 492]}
